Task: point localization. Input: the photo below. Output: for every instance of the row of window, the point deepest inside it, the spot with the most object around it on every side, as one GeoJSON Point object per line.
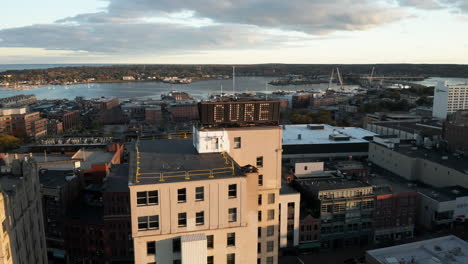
{"type": "Point", "coordinates": [270, 246]}
{"type": "Point", "coordinates": [271, 199]}
{"type": "Point", "coordinates": [270, 215]}
{"type": "Point", "coordinates": [270, 231]}
{"type": "Point", "coordinates": [152, 222]}
{"type": "Point", "coordinates": [152, 197]}
{"type": "Point", "coordinates": [176, 244]}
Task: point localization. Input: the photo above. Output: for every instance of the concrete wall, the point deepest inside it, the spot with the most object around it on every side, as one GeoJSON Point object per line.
{"type": "Point", "coordinates": [393, 161]}
{"type": "Point", "coordinates": [285, 199]}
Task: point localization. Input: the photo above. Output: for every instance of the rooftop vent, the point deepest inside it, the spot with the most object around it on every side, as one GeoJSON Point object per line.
{"type": "Point", "coordinates": [299, 136]}
{"type": "Point", "coordinates": [316, 127]}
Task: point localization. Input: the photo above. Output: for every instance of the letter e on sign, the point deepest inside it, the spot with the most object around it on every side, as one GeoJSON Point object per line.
{"type": "Point", "coordinates": [264, 112]}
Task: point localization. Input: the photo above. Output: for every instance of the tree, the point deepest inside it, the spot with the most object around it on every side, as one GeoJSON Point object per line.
{"type": "Point", "coordinates": [8, 142]}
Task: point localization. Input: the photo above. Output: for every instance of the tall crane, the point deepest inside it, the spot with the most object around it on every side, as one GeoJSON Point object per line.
{"type": "Point", "coordinates": [340, 79]}
{"type": "Point", "coordinates": [331, 79]}
{"type": "Point", "coordinates": [371, 76]}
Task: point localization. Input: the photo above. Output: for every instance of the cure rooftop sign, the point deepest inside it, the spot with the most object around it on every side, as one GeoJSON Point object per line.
{"type": "Point", "coordinates": [241, 112]}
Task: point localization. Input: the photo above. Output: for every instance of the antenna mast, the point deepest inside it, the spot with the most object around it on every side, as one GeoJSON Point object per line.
{"type": "Point", "coordinates": [233, 79]}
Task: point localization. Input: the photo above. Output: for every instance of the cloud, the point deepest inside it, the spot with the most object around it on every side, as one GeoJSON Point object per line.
{"type": "Point", "coordinates": [421, 4]}
{"type": "Point", "coordinates": [460, 5]}
{"type": "Point", "coordinates": [163, 26]}
{"type": "Point", "coordinates": [138, 38]}
{"type": "Point", "coordinates": [312, 16]}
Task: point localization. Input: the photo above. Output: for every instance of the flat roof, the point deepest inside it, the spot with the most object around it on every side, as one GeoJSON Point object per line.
{"type": "Point", "coordinates": [395, 184]}
{"type": "Point", "coordinates": [317, 135]}
{"type": "Point", "coordinates": [88, 157]}
{"type": "Point", "coordinates": [329, 184]}
{"type": "Point", "coordinates": [55, 178]}
{"type": "Point", "coordinates": [428, 129]}
{"type": "Point", "coordinates": [459, 163]}
{"type": "Point", "coordinates": [442, 250]}
{"type": "Point", "coordinates": [175, 157]}
{"type": "Point", "coordinates": [117, 180]}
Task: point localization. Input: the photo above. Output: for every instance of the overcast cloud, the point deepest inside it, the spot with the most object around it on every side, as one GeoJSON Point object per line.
{"type": "Point", "coordinates": [155, 27]}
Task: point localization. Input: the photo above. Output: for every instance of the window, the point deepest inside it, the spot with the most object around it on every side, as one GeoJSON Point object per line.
{"type": "Point", "coordinates": [231, 258]}
{"type": "Point", "coordinates": [231, 239]}
{"type": "Point", "coordinates": [270, 230]}
{"type": "Point", "coordinates": [200, 218]}
{"type": "Point", "coordinates": [153, 221]}
{"type": "Point", "coordinates": [270, 246]}
{"type": "Point", "coordinates": [259, 232]}
{"type": "Point", "coordinates": [182, 195]}
{"type": "Point", "coordinates": [259, 248]}
{"type": "Point", "coordinates": [151, 247]}
{"type": "Point", "coordinates": [260, 162]}
{"type": "Point", "coordinates": [271, 198]}
{"type": "Point", "coordinates": [305, 167]}
{"type": "Point", "coordinates": [147, 198]}
{"type": "Point", "coordinates": [269, 260]}
{"type": "Point", "coordinates": [210, 260]}
{"type": "Point", "coordinates": [232, 191]}
{"type": "Point", "coordinates": [176, 244]}
{"type": "Point", "coordinates": [237, 142]}
{"type": "Point", "coordinates": [177, 261]}
{"type": "Point", "coordinates": [182, 219]}
{"type": "Point", "coordinates": [232, 217]}
{"type": "Point", "coordinates": [148, 222]}
{"type": "Point", "coordinates": [260, 180]}
{"type": "Point", "coordinates": [200, 193]}
{"type": "Point", "coordinates": [259, 216]}
{"type": "Point", "coordinates": [271, 214]}
{"type": "Point", "coordinates": [210, 241]}
{"type": "Point", "coordinates": [259, 199]}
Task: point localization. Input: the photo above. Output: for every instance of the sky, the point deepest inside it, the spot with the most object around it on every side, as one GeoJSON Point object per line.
{"type": "Point", "coordinates": [234, 31]}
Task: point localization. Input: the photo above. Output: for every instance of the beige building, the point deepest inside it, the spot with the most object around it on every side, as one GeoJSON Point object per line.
{"type": "Point", "coordinates": [22, 238]}
{"type": "Point", "coordinates": [213, 199]}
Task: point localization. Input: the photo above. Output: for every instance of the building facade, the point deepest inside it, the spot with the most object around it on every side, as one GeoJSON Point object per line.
{"type": "Point", "coordinates": [213, 199]}
{"type": "Point", "coordinates": [22, 237]}
{"type": "Point", "coordinates": [448, 99]}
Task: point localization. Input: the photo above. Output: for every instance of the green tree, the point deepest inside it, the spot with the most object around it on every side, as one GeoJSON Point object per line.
{"type": "Point", "coordinates": [8, 142]}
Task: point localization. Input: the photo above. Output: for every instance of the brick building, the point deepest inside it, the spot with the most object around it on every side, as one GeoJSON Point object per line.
{"type": "Point", "coordinates": [153, 114]}
{"type": "Point", "coordinates": [17, 122]}
{"type": "Point", "coordinates": [184, 111]}
{"type": "Point", "coordinates": [105, 103]}
{"type": "Point", "coordinates": [70, 119]}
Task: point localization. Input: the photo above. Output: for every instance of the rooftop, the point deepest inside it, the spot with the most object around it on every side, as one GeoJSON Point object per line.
{"type": "Point", "coordinates": [55, 178]}
{"type": "Point", "coordinates": [337, 183]}
{"type": "Point", "coordinates": [286, 189]}
{"type": "Point", "coordinates": [458, 162]}
{"type": "Point", "coordinates": [320, 134]}
{"type": "Point", "coordinates": [442, 250]}
{"type": "Point", "coordinates": [117, 180]}
{"type": "Point", "coordinates": [426, 129]}
{"type": "Point", "coordinates": [176, 160]}
{"type": "Point", "coordinates": [395, 184]}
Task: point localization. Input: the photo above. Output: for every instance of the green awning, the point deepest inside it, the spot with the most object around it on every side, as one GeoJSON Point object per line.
{"type": "Point", "coordinates": [309, 245]}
